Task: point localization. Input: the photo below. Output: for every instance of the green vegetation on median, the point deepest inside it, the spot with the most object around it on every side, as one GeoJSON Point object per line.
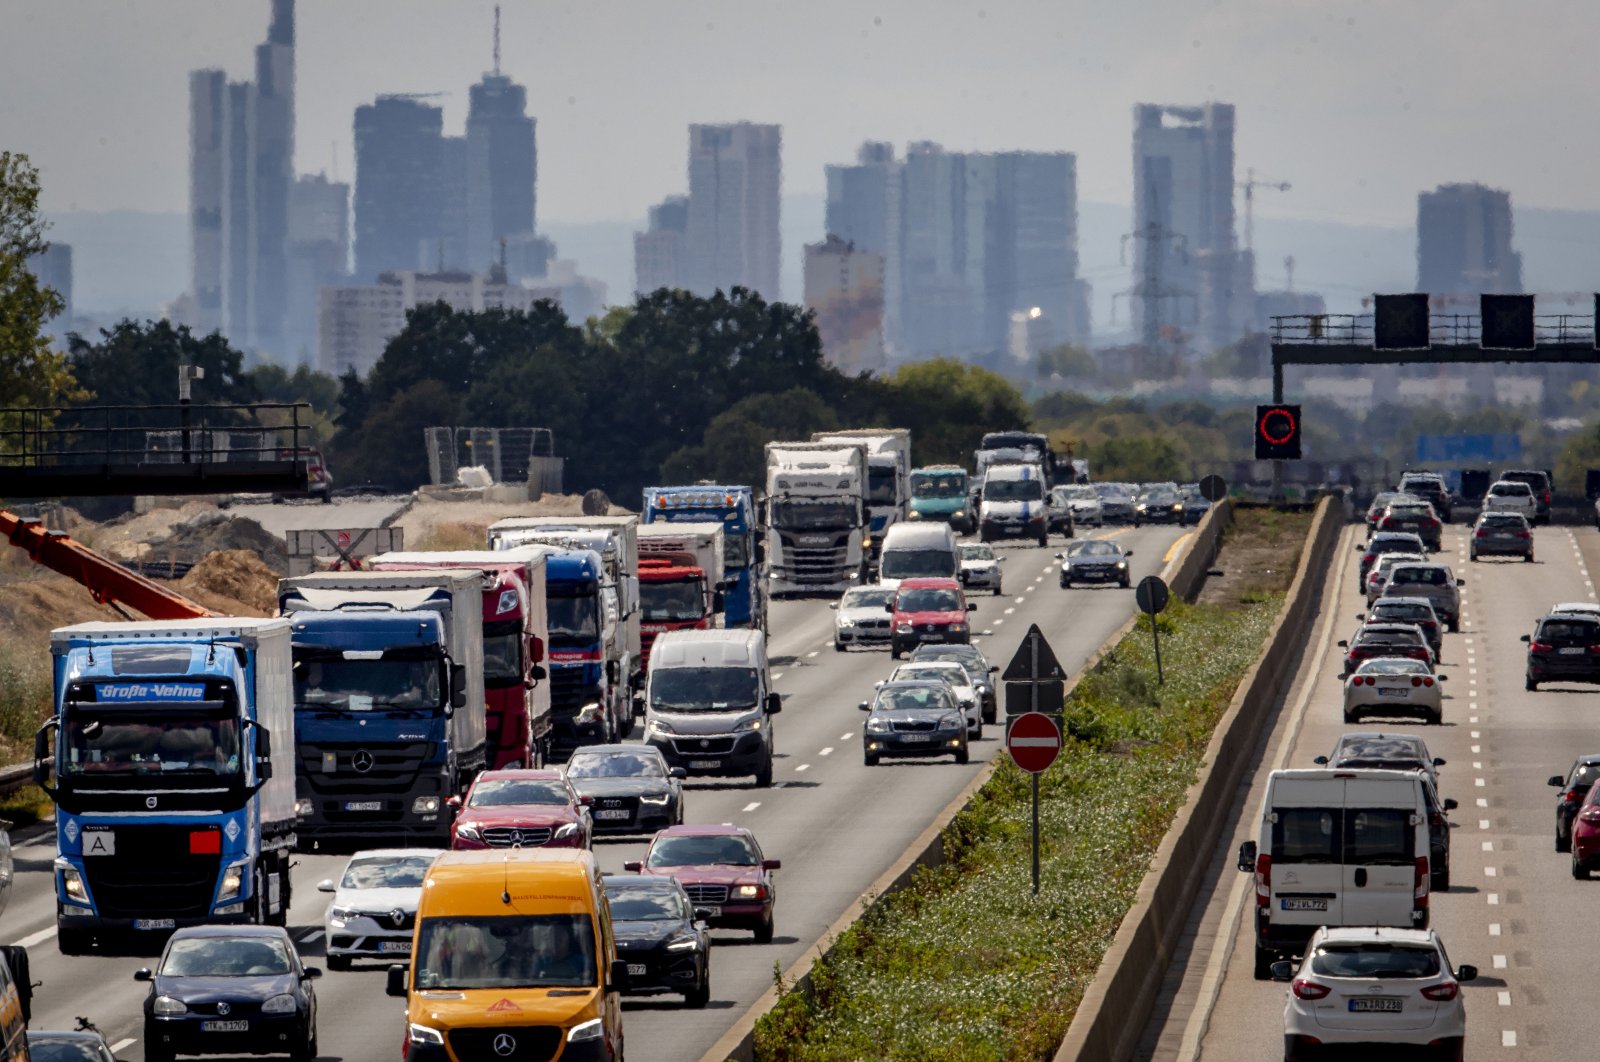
{"type": "Point", "coordinates": [965, 963]}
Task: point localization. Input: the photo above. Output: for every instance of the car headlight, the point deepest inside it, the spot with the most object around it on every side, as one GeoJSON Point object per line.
{"type": "Point", "coordinates": [166, 1007]}
{"type": "Point", "coordinates": [656, 726]}
{"type": "Point", "coordinates": [902, 628]}
{"type": "Point", "coordinates": [421, 1034]}
{"type": "Point", "coordinates": [591, 712]}
{"type": "Point", "coordinates": [425, 805]}
{"type": "Point", "coordinates": [338, 917]}
{"type": "Point", "coordinates": [960, 514]}
{"type": "Point", "coordinates": [592, 1029]}
{"type": "Point", "coordinates": [748, 725]}
{"type": "Point", "coordinates": [958, 626]}
{"type": "Point", "coordinates": [661, 799]}
{"type": "Point", "coordinates": [1122, 564]}
{"type": "Point", "coordinates": [845, 623]}
{"type": "Point", "coordinates": [468, 831]}
{"type": "Point", "coordinates": [232, 883]}
{"type": "Point", "coordinates": [565, 830]}
{"type": "Point", "coordinates": [282, 1003]}
{"type": "Point", "coordinates": [685, 944]}
{"type": "Point", "coordinates": [949, 722]}
{"type": "Point", "coordinates": [915, 514]}
{"type": "Point", "coordinates": [747, 892]}
{"type": "Point", "coordinates": [877, 726]}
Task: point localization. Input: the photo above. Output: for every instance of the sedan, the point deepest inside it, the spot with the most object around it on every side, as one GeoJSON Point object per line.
{"type": "Point", "coordinates": [1116, 503]}
{"type": "Point", "coordinates": [1385, 640]}
{"type": "Point", "coordinates": [1159, 506]}
{"type": "Point", "coordinates": [660, 936]}
{"type": "Point", "coordinates": [1388, 686]}
{"type": "Point", "coordinates": [1390, 752]}
{"type": "Point", "coordinates": [374, 905]}
{"type": "Point", "coordinates": [1436, 582]}
{"type": "Point", "coordinates": [722, 870]}
{"type": "Point", "coordinates": [630, 787]}
{"type": "Point", "coordinates": [978, 667]}
{"type": "Point", "coordinates": [1195, 507]}
{"type": "Point", "coordinates": [913, 719]}
{"type": "Point", "coordinates": [861, 619]}
{"type": "Point", "coordinates": [1501, 535]}
{"type": "Point", "coordinates": [1380, 572]}
{"type": "Point", "coordinates": [1416, 517]}
{"type": "Point", "coordinates": [1574, 786]}
{"type": "Point", "coordinates": [1387, 542]}
{"type": "Point", "coordinates": [1363, 985]}
{"type": "Point", "coordinates": [980, 567]}
{"type": "Point", "coordinates": [1096, 561]}
{"type": "Point", "coordinates": [1564, 647]}
{"type": "Point", "coordinates": [1084, 503]}
{"type": "Point", "coordinates": [953, 675]}
{"type": "Point", "coordinates": [230, 990]}
{"type": "Point", "coordinates": [81, 1046]}
{"type": "Point", "coordinates": [521, 808]}
{"type": "Point", "coordinates": [1380, 502]}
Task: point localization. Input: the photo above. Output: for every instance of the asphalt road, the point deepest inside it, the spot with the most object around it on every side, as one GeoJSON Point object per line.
{"type": "Point", "coordinates": [1513, 909]}
{"type": "Point", "coordinates": [835, 823]}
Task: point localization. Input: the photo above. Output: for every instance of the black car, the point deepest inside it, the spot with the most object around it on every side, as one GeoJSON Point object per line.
{"type": "Point", "coordinates": [82, 1046]}
{"type": "Point", "coordinates": [1417, 611]}
{"type": "Point", "coordinates": [1574, 786]}
{"type": "Point", "coordinates": [1563, 648]}
{"type": "Point", "coordinates": [977, 665]}
{"type": "Point", "coordinates": [1419, 518]}
{"type": "Point", "coordinates": [1158, 507]}
{"type": "Point", "coordinates": [660, 936]}
{"type": "Point", "coordinates": [230, 990]}
{"type": "Point", "coordinates": [1501, 534]}
{"type": "Point", "coordinates": [1095, 561]}
{"type": "Point", "coordinates": [913, 718]}
{"type": "Point", "coordinates": [634, 790]}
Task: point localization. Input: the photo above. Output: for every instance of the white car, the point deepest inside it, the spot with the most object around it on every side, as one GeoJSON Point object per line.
{"type": "Point", "coordinates": [1389, 685]}
{"type": "Point", "coordinates": [1084, 503]}
{"type": "Point", "coordinates": [862, 619]}
{"type": "Point", "coordinates": [1509, 496]}
{"type": "Point", "coordinates": [980, 568]}
{"type": "Point", "coordinates": [956, 677]}
{"type": "Point", "coordinates": [1577, 608]}
{"type": "Point", "coordinates": [1373, 985]}
{"type": "Point", "coordinates": [374, 905]}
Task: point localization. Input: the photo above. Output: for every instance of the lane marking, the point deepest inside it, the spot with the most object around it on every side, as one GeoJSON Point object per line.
{"type": "Point", "coordinates": [1010, 610]}
{"type": "Point", "coordinates": [1483, 824]}
{"type": "Point", "coordinates": [847, 735]}
{"type": "Point", "coordinates": [1494, 929]}
{"type": "Point", "coordinates": [1494, 899]}
{"type": "Point", "coordinates": [751, 806]}
{"type": "Point", "coordinates": [1029, 590]}
{"type": "Point", "coordinates": [1478, 782]}
{"type": "Point", "coordinates": [1482, 803]}
{"type": "Point", "coordinates": [827, 751]}
{"type": "Point", "coordinates": [1505, 998]}
{"type": "Point", "coordinates": [1499, 962]}
{"type": "Point", "coordinates": [37, 938]}
{"type": "Point", "coordinates": [1172, 550]}
{"type": "Point", "coordinates": [312, 937]}
{"type": "Point", "coordinates": [1018, 600]}
{"type": "Point", "coordinates": [1489, 872]}
{"type": "Point", "coordinates": [998, 621]}
{"type": "Point", "coordinates": [1488, 846]}
{"type": "Point", "coordinates": [1508, 1038]}
{"type": "Point", "coordinates": [802, 767]}
{"type": "Point", "coordinates": [776, 675]}
{"type": "Point", "coordinates": [120, 1044]}
{"type": "Point", "coordinates": [811, 654]}
{"type": "Point", "coordinates": [1477, 765]}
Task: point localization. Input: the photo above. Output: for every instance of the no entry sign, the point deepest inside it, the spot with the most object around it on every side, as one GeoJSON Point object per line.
{"type": "Point", "coordinates": [1033, 741]}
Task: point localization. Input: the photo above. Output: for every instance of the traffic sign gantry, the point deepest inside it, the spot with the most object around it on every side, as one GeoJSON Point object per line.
{"type": "Point", "coordinates": [1034, 742]}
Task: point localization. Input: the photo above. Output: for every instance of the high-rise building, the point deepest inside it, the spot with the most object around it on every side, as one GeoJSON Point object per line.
{"type": "Point", "coordinates": [272, 143]}
{"type": "Point", "coordinates": [238, 213]}
{"type": "Point", "coordinates": [863, 208]}
{"type": "Point", "coordinates": [501, 168]}
{"type": "Point", "coordinates": [658, 252]}
{"type": "Point", "coordinates": [207, 110]}
{"type": "Point", "coordinates": [401, 185]}
{"type": "Point", "coordinates": [319, 256]}
{"type": "Point", "coordinates": [1464, 241]}
{"type": "Point", "coordinates": [845, 286]}
{"type": "Point", "coordinates": [1031, 248]}
{"type": "Point", "coordinates": [732, 237]}
{"type": "Point", "coordinates": [939, 311]}
{"type": "Point", "coordinates": [53, 270]}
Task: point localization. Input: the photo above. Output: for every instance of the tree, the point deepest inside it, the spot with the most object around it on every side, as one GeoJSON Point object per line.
{"type": "Point", "coordinates": [31, 374]}
{"type": "Point", "coordinates": [949, 406]}
{"type": "Point", "coordinates": [734, 447]}
{"type": "Point", "coordinates": [390, 448]}
{"type": "Point", "coordinates": [136, 364]}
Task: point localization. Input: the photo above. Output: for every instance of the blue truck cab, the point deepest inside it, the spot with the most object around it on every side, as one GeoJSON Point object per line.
{"type": "Point", "coordinates": [170, 808]}
{"type": "Point", "coordinates": [582, 622]}
{"type": "Point", "coordinates": [745, 603]}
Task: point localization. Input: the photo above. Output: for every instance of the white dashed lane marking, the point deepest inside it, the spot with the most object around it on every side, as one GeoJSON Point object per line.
{"type": "Point", "coordinates": [1505, 998]}
{"type": "Point", "coordinates": [1508, 1038]}
{"type": "Point", "coordinates": [803, 767]}
{"type": "Point", "coordinates": [751, 806]}
{"type": "Point", "coordinates": [122, 1044]}
{"type": "Point", "coordinates": [847, 735]}
{"type": "Point", "coordinates": [1499, 962]}
{"type": "Point", "coordinates": [1494, 929]}
{"type": "Point", "coordinates": [827, 751]}
{"type": "Point", "coordinates": [37, 938]}
{"type": "Point", "coordinates": [811, 654]}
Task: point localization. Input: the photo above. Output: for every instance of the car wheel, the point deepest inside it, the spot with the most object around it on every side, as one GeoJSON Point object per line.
{"type": "Point", "coordinates": [870, 761]}
{"type": "Point", "coordinates": [700, 995]}
{"type": "Point", "coordinates": [1563, 844]}
{"type": "Point", "coordinates": [838, 647]}
{"type": "Point", "coordinates": [1126, 584]}
{"type": "Point", "coordinates": [1264, 961]}
{"type": "Point", "coordinates": [894, 651]}
{"type": "Point", "coordinates": [1044, 539]}
{"type": "Point", "coordinates": [1528, 559]}
{"type": "Point", "coordinates": [1473, 556]}
{"type": "Point", "coordinates": [1439, 881]}
{"type": "Point", "coordinates": [1579, 871]}
{"type": "Point", "coordinates": [1437, 719]}
{"type": "Point", "coordinates": [989, 715]}
{"type": "Point", "coordinates": [1529, 684]}
{"type": "Point", "coordinates": [1352, 717]}
{"type": "Point", "coordinates": [976, 733]}
{"type": "Point", "coordinates": [764, 931]}
{"type": "Point", "coordinates": [764, 776]}
{"type": "Point", "coordinates": [338, 962]}
{"type": "Point", "coordinates": [963, 755]}
{"type": "Point", "coordinates": [1452, 1050]}
{"type": "Point", "coordinates": [154, 1053]}
{"type": "Point", "coordinates": [1454, 626]}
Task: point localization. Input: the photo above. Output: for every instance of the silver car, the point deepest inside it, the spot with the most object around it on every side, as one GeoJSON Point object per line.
{"type": "Point", "coordinates": [1087, 510]}
{"type": "Point", "coordinates": [1389, 686]}
{"type": "Point", "coordinates": [1116, 503]}
{"type": "Point", "coordinates": [1436, 582]}
{"type": "Point", "coordinates": [980, 567]}
{"type": "Point", "coordinates": [862, 619]}
{"type": "Point", "coordinates": [955, 676]}
{"type": "Point", "coordinates": [374, 905]}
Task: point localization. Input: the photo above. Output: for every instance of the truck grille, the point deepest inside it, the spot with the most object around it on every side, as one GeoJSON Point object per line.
{"type": "Point", "coordinates": [529, 1043]}
{"type": "Point", "coordinates": [706, 746]}
{"type": "Point", "coordinates": [153, 874]}
{"type": "Point", "coordinates": [708, 895]}
{"type": "Point", "coordinates": [816, 563]}
{"type": "Point", "coordinates": [516, 836]}
{"type": "Point", "coordinates": [566, 687]}
{"type": "Point", "coordinates": [387, 767]}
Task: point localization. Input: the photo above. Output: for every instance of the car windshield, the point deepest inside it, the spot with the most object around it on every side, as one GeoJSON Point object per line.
{"type": "Point", "coordinates": [977, 552]}
{"type": "Point", "coordinates": [1409, 512]}
{"type": "Point", "coordinates": [703, 850]}
{"type": "Point", "coordinates": [1078, 493]}
{"type": "Point", "coordinates": [385, 872]}
{"type": "Point", "coordinates": [941, 485]}
{"type": "Point", "coordinates": [505, 951]}
{"type": "Point", "coordinates": [1392, 636]}
{"type": "Point", "coordinates": [1569, 630]}
{"type": "Point", "coordinates": [503, 792]}
{"type": "Point", "coordinates": [615, 765]}
{"type": "Point", "coordinates": [1380, 960]}
{"type": "Point", "coordinates": [110, 743]}
{"type": "Point", "coordinates": [917, 564]}
{"type": "Point", "coordinates": [363, 685]}
{"type": "Point", "coordinates": [225, 957]}
{"type": "Point", "coordinates": [574, 621]}
{"type": "Point", "coordinates": [867, 597]}
{"type": "Point", "coordinates": [1408, 613]}
{"type": "Point", "coordinates": [1098, 549]}
{"type": "Point", "coordinates": [1407, 576]}
{"type": "Point", "coordinates": [830, 515]}
{"type": "Point", "coordinates": [704, 689]}
{"type": "Point", "coordinates": [1390, 665]}
{"type": "Point", "coordinates": [672, 602]}
{"type": "Point", "coordinates": [914, 697]}
{"type": "Point", "coordinates": [955, 676]}
{"type": "Point", "coordinates": [642, 903]}
{"type": "Point", "coordinates": [928, 600]}
{"type": "Point", "coordinates": [50, 1049]}
{"type": "Point", "coordinates": [1392, 749]}
{"type": "Point", "coordinates": [1013, 490]}
{"type": "Point", "coordinates": [1505, 490]}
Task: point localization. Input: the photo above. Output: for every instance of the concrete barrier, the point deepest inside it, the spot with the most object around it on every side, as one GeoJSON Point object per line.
{"type": "Point", "coordinates": [1184, 578]}
{"type": "Point", "coordinates": [1112, 1016]}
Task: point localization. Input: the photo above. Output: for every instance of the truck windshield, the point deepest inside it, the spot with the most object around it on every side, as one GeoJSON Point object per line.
{"type": "Point", "coordinates": [918, 564]}
{"type": "Point", "coordinates": [502, 653]}
{"type": "Point", "coordinates": [947, 486]}
{"type": "Point", "coordinates": [120, 742]}
{"type": "Point", "coordinates": [883, 485]}
{"type": "Point", "coordinates": [1013, 490]}
{"type": "Point", "coordinates": [672, 602]}
{"type": "Point", "coordinates": [822, 515]}
{"type": "Point", "coordinates": [703, 689]}
{"type": "Point", "coordinates": [506, 951]}
{"type": "Point", "coordinates": [365, 685]}
{"type": "Point", "coordinates": [735, 551]}
{"type": "Point", "coordinates": [574, 621]}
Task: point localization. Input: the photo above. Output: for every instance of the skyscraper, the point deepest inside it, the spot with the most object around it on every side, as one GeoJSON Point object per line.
{"type": "Point", "coordinates": [658, 251]}
{"type": "Point", "coordinates": [1464, 241]}
{"type": "Point", "coordinates": [863, 208]}
{"type": "Point", "coordinates": [400, 185]}
{"type": "Point", "coordinates": [732, 237]}
{"type": "Point", "coordinates": [272, 137]}
{"type": "Point", "coordinates": [844, 285]}
{"type": "Point", "coordinates": [1031, 248]}
{"type": "Point", "coordinates": [207, 109]}
{"type": "Point", "coordinates": [501, 168]}
{"type": "Point", "coordinates": [938, 299]}
{"type": "Point", "coordinates": [319, 255]}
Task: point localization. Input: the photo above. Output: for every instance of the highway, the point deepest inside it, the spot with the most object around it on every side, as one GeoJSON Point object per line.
{"type": "Point", "coordinates": [1513, 909]}
{"type": "Point", "coordinates": [835, 824]}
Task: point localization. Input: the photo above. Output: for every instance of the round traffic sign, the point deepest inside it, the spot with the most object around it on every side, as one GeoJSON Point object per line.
{"type": "Point", "coordinates": [1277, 425]}
{"type": "Point", "coordinates": [1034, 741]}
{"type": "Point", "coordinates": [1213, 488]}
{"type": "Point", "coordinates": [1151, 594]}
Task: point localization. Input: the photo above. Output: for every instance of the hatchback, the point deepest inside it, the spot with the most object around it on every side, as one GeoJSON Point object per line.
{"type": "Point", "coordinates": [1414, 610]}
{"type": "Point", "coordinates": [1436, 582]}
{"type": "Point", "coordinates": [1385, 640]}
{"type": "Point", "coordinates": [1380, 572]}
{"type": "Point", "coordinates": [952, 674]}
{"type": "Point", "coordinates": [1387, 542]}
{"type": "Point", "coordinates": [1386, 751]}
{"type": "Point", "coordinates": [1416, 517]}
{"type": "Point", "coordinates": [374, 906]}
{"type": "Point", "coordinates": [1563, 648]}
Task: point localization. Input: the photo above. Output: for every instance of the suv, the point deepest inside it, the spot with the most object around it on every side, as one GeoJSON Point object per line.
{"type": "Point", "coordinates": [1429, 486]}
{"type": "Point", "coordinates": [1419, 518]}
{"type": "Point", "coordinates": [1436, 582]}
{"type": "Point", "coordinates": [1504, 533]}
{"type": "Point", "coordinates": [928, 610]}
{"type": "Point", "coordinates": [1540, 482]}
{"type": "Point", "coordinates": [1563, 648]}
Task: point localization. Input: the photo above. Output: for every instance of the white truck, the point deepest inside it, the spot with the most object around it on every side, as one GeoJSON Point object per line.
{"type": "Point", "coordinates": [888, 474]}
{"type": "Point", "coordinates": [816, 516]}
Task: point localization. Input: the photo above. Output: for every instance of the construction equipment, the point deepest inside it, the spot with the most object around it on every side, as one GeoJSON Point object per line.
{"type": "Point", "coordinates": [108, 582]}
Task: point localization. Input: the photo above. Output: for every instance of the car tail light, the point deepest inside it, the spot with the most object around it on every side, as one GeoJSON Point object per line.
{"type": "Point", "coordinates": [1547, 497]}
{"type": "Point", "coordinates": [1524, 534]}
{"type": "Point", "coordinates": [1427, 680]}
{"type": "Point", "coordinates": [1419, 889]}
{"type": "Point", "coordinates": [1539, 647]}
{"type": "Point", "coordinates": [1430, 522]}
{"type": "Point", "coordinates": [1572, 796]}
{"type": "Point", "coordinates": [1480, 533]}
{"type": "Point", "coordinates": [1442, 993]}
{"type": "Point", "coordinates": [1263, 881]}
{"type": "Point", "coordinates": [1304, 989]}
{"type": "Point", "coordinates": [1417, 681]}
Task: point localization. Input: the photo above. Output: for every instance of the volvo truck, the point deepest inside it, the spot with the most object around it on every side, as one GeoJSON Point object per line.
{"type": "Point", "coordinates": [743, 541]}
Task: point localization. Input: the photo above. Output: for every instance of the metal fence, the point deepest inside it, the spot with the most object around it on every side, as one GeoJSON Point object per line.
{"type": "Point", "coordinates": [1444, 329]}
{"type": "Point", "coordinates": [511, 455]}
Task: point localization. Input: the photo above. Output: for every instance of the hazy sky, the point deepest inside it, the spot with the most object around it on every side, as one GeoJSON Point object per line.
{"type": "Point", "coordinates": [1360, 104]}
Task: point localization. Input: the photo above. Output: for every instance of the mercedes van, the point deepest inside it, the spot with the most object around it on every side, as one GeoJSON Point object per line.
{"type": "Point", "coordinates": [709, 703]}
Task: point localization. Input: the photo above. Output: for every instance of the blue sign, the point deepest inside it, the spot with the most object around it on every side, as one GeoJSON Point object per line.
{"type": "Point", "coordinates": [1482, 448]}
{"type": "Point", "coordinates": [134, 692]}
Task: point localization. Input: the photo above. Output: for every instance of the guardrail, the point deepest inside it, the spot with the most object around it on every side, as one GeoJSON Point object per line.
{"type": "Point", "coordinates": [15, 777]}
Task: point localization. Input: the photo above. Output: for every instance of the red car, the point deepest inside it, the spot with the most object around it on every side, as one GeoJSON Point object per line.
{"type": "Point", "coordinates": [1586, 836]}
{"type": "Point", "coordinates": [521, 809]}
{"type": "Point", "coordinates": [722, 870]}
{"type": "Point", "coordinates": [928, 610]}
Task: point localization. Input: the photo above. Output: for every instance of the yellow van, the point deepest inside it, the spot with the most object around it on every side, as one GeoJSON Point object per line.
{"type": "Point", "coordinates": [512, 959]}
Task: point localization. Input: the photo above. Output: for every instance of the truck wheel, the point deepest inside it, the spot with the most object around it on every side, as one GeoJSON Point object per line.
{"type": "Point", "coordinates": [75, 942]}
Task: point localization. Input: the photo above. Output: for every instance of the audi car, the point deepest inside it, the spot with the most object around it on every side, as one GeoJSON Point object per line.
{"type": "Point", "coordinates": [520, 808]}
{"type": "Point", "coordinates": [660, 936]}
{"type": "Point", "coordinates": [374, 905]}
{"type": "Point", "coordinates": [631, 788]}
{"type": "Point", "coordinates": [722, 870]}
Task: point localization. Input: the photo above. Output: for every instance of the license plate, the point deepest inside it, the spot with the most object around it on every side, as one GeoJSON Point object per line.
{"type": "Point", "coordinates": [1393, 692]}
{"type": "Point", "coordinates": [711, 910]}
{"type": "Point", "coordinates": [363, 805]}
{"type": "Point", "coordinates": [1572, 650]}
{"type": "Point", "coordinates": [225, 1026]}
{"type": "Point", "coordinates": [1304, 903]}
{"type": "Point", "coordinates": [916, 739]}
{"type": "Point", "coordinates": [394, 945]}
{"type": "Point", "coordinates": [154, 923]}
{"type": "Point", "coordinates": [613, 813]}
{"type": "Point", "coordinates": [1379, 1003]}
{"type": "Point", "coordinates": [702, 765]}
{"type": "Point", "coordinates": [636, 969]}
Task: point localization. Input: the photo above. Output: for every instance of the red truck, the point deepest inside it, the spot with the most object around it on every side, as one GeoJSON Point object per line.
{"type": "Point", "coordinates": [515, 639]}
{"type": "Point", "coordinates": [680, 578]}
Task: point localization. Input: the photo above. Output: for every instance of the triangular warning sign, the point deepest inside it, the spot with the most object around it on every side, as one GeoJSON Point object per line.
{"type": "Point", "coordinates": [1023, 666]}
{"type": "Point", "coordinates": [504, 1005]}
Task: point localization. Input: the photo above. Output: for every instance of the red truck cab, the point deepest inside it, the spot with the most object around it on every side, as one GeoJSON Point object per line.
{"type": "Point", "coordinates": [928, 610]}
{"type": "Point", "coordinates": [673, 597]}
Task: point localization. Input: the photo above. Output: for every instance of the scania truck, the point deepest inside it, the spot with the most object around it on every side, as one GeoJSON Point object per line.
{"type": "Point", "coordinates": [389, 701]}
{"type": "Point", "coordinates": [888, 474]}
{"type": "Point", "coordinates": [743, 541]}
{"type": "Point", "coordinates": [171, 809]}
{"type": "Point", "coordinates": [817, 512]}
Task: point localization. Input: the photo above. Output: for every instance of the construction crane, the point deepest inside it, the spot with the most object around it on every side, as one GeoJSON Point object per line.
{"type": "Point", "coordinates": [1250, 184]}
{"type": "Point", "coordinates": [108, 582]}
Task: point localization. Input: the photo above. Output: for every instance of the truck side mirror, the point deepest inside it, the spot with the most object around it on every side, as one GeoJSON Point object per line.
{"type": "Point", "coordinates": [537, 673]}
{"type": "Point", "coordinates": [263, 753]}
{"type": "Point", "coordinates": [632, 866]}
{"type": "Point", "coordinates": [1451, 803]}
{"type": "Point", "coordinates": [889, 607]}
{"type": "Point", "coordinates": [972, 606]}
{"type": "Point", "coordinates": [398, 981]}
{"type": "Point", "coordinates": [43, 762]}
{"type": "Point", "coordinates": [1247, 856]}
{"type": "Point", "coordinates": [536, 650]}
{"type": "Point", "coordinates": [458, 685]}
{"type": "Point", "coordinates": [774, 703]}
{"type": "Point", "coordinates": [717, 602]}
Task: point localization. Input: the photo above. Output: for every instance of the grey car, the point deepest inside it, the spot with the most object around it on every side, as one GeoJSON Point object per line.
{"type": "Point", "coordinates": [1501, 534]}
{"type": "Point", "coordinates": [1436, 582]}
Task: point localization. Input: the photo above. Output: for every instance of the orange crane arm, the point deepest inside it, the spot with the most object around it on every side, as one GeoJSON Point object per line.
{"type": "Point", "coordinates": [107, 581]}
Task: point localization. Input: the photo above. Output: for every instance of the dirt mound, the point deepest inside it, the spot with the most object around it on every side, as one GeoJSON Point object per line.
{"type": "Point", "coordinates": [235, 581]}
{"type": "Point", "coordinates": [210, 532]}
{"type": "Point", "coordinates": [434, 523]}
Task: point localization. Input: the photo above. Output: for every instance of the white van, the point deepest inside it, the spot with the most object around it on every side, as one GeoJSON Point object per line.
{"type": "Point", "coordinates": [1337, 848]}
{"type": "Point", "coordinates": [1013, 504]}
{"type": "Point", "coordinates": [918, 551]}
{"type": "Point", "coordinates": [709, 702]}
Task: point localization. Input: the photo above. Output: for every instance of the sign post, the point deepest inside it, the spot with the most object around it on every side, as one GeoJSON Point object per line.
{"type": "Point", "coordinates": [1152, 595]}
{"type": "Point", "coordinates": [1034, 742]}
